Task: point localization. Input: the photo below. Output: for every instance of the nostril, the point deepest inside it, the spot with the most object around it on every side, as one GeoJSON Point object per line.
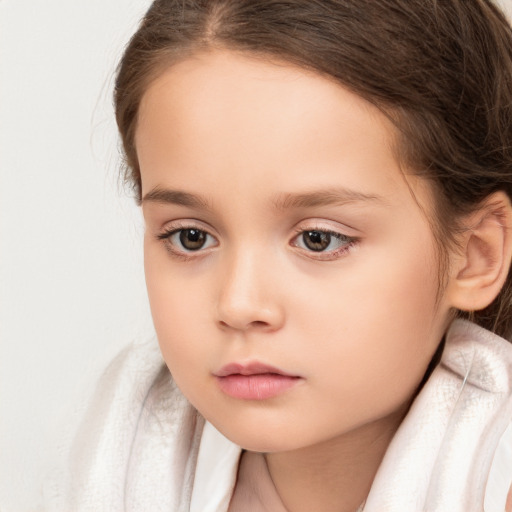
{"type": "Point", "coordinates": [259, 323]}
{"type": "Point", "coordinates": [256, 324]}
{"type": "Point", "coordinates": [248, 314]}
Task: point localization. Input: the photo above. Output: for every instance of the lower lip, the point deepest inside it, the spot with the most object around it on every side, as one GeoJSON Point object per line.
{"type": "Point", "coordinates": [256, 387]}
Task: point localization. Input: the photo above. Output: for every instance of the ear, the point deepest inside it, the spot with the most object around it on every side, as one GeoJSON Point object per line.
{"type": "Point", "coordinates": [479, 270]}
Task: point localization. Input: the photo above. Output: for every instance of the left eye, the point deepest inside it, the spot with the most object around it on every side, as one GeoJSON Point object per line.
{"type": "Point", "coordinates": [321, 241]}
{"type": "Point", "coordinates": [190, 239]}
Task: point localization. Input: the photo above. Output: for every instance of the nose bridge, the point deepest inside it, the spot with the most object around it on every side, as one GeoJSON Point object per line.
{"type": "Point", "coordinates": [247, 297]}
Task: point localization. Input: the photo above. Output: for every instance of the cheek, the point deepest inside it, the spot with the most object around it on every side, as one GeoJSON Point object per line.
{"type": "Point", "coordinates": [182, 338]}
{"type": "Point", "coordinates": [178, 307]}
{"type": "Point", "coordinates": [377, 325]}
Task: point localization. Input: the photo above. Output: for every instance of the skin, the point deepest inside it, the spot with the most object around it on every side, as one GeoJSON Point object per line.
{"type": "Point", "coordinates": [358, 323]}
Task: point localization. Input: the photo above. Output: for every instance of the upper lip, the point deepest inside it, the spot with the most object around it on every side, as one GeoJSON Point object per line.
{"type": "Point", "coordinates": [251, 368]}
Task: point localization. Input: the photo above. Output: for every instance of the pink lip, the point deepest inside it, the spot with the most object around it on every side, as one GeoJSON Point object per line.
{"type": "Point", "coordinates": [252, 368]}
{"type": "Point", "coordinates": [254, 381]}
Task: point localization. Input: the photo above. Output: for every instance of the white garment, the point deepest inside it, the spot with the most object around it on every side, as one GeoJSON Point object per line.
{"type": "Point", "coordinates": [144, 448]}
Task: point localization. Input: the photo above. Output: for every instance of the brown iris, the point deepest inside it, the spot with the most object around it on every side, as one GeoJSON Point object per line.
{"type": "Point", "coordinates": [192, 239]}
{"type": "Point", "coordinates": [316, 240]}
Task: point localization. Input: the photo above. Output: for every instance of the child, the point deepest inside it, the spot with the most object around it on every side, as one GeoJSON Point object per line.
{"type": "Point", "coordinates": [326, 187]}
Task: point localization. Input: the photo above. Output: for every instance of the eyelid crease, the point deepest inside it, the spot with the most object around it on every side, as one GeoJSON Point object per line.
{"type": "Point", "coordinates": [328, 226]}
{"type": "Point", "coordinates": [171, 230]}
{"type": "Point", "coordinates": [185, 223]}
{"type": "Point", "coordinates": [335, 234]}
{"type": "Point", "coordinates": [347, 241]}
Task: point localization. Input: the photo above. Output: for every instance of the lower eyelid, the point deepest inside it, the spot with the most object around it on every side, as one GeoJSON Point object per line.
{"type": "Point", "coordinates": [332, 254]}
{"type": "Point", "coordinates": [348, 242]}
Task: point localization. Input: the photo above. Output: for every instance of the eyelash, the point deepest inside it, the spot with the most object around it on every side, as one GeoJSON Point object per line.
{"type": "Point", "coordinates": [182, 254]}
{"type": "Point", "coordinates": [348, 242]}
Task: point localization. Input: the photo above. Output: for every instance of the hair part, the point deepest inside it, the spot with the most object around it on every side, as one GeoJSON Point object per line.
{"type": "Point", "coordinates": [441, 71]}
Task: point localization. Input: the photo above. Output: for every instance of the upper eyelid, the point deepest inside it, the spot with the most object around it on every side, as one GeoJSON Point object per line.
{"type": "Point", "coordinates": [166, 234]}
{"type": "Point", "coordinates": [336, 234]}
{"type": "Point", "coordinates": [342, 230]}
{"type": "Point", "coordinates": [171, 227]}
{"type": "Point", "coordinates": [325, 224]}
{"type": "Point", "coordinates": [320, 229]}
{"type": "Point", "coordinates": [182, 253]}
{"type": "Point", "coordinates": [178, 225]}
{"type": "Point", "coordinates": [330, 255]}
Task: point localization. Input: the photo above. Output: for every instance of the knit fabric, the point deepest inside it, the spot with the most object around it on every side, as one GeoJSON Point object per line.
{"type": "Point", "coordinates": [143, 447]}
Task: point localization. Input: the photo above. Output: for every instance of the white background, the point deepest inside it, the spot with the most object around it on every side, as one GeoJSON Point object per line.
{"type": "Point", "coordinates": [71, 282]}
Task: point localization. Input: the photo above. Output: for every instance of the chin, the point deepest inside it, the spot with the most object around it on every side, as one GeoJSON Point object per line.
{"type": "Point", "coordinates": [258, 438]}
{"type": "Point", "coordinates": [262, 444]}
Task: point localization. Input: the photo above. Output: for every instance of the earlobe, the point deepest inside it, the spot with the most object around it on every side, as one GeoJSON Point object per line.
{"type": "Point", "coordinates": [483, 264]}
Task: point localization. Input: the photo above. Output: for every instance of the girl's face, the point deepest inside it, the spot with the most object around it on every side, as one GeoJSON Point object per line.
{"type": "Point", "coordinates": [281, 232]}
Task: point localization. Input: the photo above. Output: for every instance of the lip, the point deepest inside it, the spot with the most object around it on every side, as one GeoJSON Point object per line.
{"type": "Point", "coordinates": [251, 368]}
{"type": "Point", "coordinates": [254, 381]}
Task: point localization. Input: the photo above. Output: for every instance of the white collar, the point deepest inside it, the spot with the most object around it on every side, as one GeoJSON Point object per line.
{"type": "Point", "coordinates": [441, 455]}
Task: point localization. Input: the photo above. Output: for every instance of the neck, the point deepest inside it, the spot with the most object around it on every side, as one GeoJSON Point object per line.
{"type": "Point", "coordinates": [335, 475]}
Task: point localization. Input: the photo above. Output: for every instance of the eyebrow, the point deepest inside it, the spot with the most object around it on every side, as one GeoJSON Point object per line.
{"type": "Point", "coordinates": [324, 197]}
{"type": "Point", "coordinates": [178, 197]}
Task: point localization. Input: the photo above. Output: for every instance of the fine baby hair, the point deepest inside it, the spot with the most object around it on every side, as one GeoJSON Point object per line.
{"type": "Point", "coordinates": [326, 187]}
{"type": "Point", "coordinates": [442, 71]}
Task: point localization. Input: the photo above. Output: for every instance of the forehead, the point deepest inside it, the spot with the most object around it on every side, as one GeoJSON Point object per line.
{"type": "Point", "coordinates": [225, 121]}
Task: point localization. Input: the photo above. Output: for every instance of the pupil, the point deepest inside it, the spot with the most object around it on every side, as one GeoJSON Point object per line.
{"type": "Point", "coordinates": [317, 240]}
{"type": "Point", "coordinates": [192, 239]}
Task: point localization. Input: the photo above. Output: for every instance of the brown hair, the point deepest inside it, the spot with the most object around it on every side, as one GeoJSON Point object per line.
{"type": "Point", "coordinates": [440, 69]}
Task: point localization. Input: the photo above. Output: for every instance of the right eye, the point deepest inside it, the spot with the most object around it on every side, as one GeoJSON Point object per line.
{"type": "Point", "coordinates": [187, 240]}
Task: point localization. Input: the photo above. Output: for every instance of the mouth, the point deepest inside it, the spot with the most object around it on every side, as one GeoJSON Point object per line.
{"type": "Point", "coordinates": [254, 381]}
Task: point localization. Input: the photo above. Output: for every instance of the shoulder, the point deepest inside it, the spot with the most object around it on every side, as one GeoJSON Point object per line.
{"type": "Point", "coordinates": [131, 373]}
{"type": "Point", "coordinates": [135, 425]}
{"type": "Point", "coordinates": [484, 363]}
{"type": "Point", "coordinates": [456, 426]}
{"type": "Point", "coordinates": [123, 387]}
{"type": "Point", "coordinates": [499, 485]}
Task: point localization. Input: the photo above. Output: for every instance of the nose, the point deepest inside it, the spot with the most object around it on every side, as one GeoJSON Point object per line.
{"type": "Point", "coordinates": [249, 295]}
